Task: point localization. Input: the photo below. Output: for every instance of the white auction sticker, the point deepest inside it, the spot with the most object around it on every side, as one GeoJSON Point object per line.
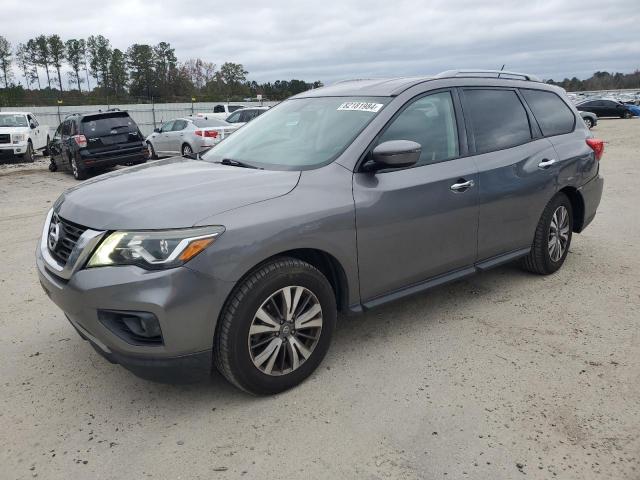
{"type": "Point", "coordinates": [361, 106]}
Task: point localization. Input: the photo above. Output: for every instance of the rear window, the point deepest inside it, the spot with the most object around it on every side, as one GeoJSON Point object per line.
{"type": "Point", "coordinates": [498, 119]}
{"type": "Point", "coordinates": [208, 122]}
{"type": "Point", "coordinates": [111, 124]}
{"type": "Point", "coordinates": [233, 108]}
{"type": "Point", "coordinates": [552, 114]}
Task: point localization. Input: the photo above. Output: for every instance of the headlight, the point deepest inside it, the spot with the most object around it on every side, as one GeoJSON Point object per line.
{"type": "Point", "coordinates": [19, 137]}
{"type": "Point", "coordinates": [154, 249]}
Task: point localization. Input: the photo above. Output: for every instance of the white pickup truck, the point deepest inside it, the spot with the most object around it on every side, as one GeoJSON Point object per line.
{"type": "Point", "coordinates": [220, 111]}
{"type": "Point", "coordinates": [21, 134]}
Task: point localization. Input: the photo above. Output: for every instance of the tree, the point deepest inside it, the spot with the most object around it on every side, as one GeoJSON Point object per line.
{"type": "Point", "coordinates": [75, 60]}
{"type": "Point", "coordinates": [22, 59]}
{"type": "Point", "coordinates": [99, 50]}
{"type": "Point", "coordinates": [5, 60]}
{"type": "Point", "coordinates": [118, 72]}
{"type": "Point", "coordinates": [32, 55]}
{"type": "Point", "coordinates": [57, 52]}
{"type": "Point", "coordinates": [43, 57]}
{"type": "Point", "coordinates": [165, 63]}
{"type": "Point", "coordinates": [140, 60]}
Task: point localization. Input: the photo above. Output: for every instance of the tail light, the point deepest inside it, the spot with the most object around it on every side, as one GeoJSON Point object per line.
{"type": "Point", "coordinates": [81, 140]}
{"type": "Point", "coordinates": [597, 146]}
{"type": "Point", "coordinates": [207, 133]}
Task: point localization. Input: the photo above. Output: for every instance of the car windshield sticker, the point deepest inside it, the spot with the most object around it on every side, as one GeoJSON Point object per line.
{"type": "Point", "coordinates": [361, 106]}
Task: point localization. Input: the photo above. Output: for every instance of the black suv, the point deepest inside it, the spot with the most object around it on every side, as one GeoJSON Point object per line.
{"type": "Point", "coordinates": [97, 140]}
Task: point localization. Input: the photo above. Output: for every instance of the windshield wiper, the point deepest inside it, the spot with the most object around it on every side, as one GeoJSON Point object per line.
{"type": "Point", "coordinates": [237, 163]}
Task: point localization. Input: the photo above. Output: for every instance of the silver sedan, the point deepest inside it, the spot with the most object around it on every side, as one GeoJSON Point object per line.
{"type": "Point", "coordinates": [188, 135]}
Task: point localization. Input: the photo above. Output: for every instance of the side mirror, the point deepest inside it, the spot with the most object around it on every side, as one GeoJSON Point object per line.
{"type": "Point", "coordinates": [32, 125]}
{"type": "Point", "coordinates": [397, 153]}
{"type": "Point", "coordinates": [156, 130]}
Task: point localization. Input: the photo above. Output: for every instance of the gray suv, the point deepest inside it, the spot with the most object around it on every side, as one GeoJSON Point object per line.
{"type": "Point", "coordinates": [339, 199]}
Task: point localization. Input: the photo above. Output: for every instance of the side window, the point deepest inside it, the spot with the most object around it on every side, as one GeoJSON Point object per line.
{"type": "Point", "coordinates": [167, 126]}
{"type": "Point", "coordinates": [431, 122]}
{"type": "Point", "coordinates": [32, 121]}
{"type": "Point", "coordinates": [179, 125]}
{"type": "Point", "coordinates": [66, 128]}
{"type": "Point", "coordinates": [234, 117]}
{"type": "Point", "coordinates": [552, 114]}
{"type": "Point", "coordinates": [498, 119]}
{"type": "Point", "coordinates": [219, 109]}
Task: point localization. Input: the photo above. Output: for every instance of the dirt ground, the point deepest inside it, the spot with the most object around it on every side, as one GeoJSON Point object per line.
{"type": "Point", "coordinates": [502, 375]}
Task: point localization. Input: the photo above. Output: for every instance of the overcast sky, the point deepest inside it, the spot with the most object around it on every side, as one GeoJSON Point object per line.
{"type": "Point", "coordinates": [332, 40]}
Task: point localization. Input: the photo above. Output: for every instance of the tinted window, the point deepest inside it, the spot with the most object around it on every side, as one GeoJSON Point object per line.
{"type": "Point", "coordinates": [234, 117]}
{"type": "Point", "coordinates": [208, 122]}
{"type": "Point", "coordinates": [552, 114]}
{"type": "Point", "coordinates": [179, 125]}
{"type": "Point", "coordinates": [218, 109]}
{"type": "Point", "coordinates": [66, 128]}
{"type": "Point", "coordinates": [100, 126]}
{"type": "Point", "coordinates": [498, 119]}
{"type": "Point", "coordinates": [431, 122]}
{"type": "Point", "coordinates": [233, 108]}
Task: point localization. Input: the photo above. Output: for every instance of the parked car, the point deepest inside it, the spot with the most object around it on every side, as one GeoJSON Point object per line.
{"type": "Point", "coordinates": [21, 135]}
{"type": "Point", "coordinates": [589, 119]}
{"type": "Point", "coordinates": [84, 143]}
{"type": "Point", "coordinates": [606, 108]}
{"type": "Point", "coordinates": [341, 198]}
{"type": "Point", "coordinates": [184, 136]}
{"type": "Point", "coordinates": [244, 115]}
{"type": "Point", "coordinates": [221, 111]}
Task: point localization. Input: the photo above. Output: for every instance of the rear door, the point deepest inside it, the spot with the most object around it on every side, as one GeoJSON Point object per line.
{"type": "Point", "coordinates": [110, 132]}
{"type": "Point", "coordinates": [517, 169]}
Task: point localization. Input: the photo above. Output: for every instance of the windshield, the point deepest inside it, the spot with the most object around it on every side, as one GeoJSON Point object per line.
{"type": "Point", "coordinates": [299, 134]}
{"type": "Point", "coordinates": [12, 120]}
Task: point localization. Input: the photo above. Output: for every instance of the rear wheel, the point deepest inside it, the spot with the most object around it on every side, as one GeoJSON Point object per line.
{"type": "Point", "coordinates": [152, 152]}
{"type": "Point", "coordinates": [186, 150]}
{"type": "Point", "coordinates": [552, 237]}
{"type": "Point", "coordinates": [276, 327]}
{"type": "Point", "coordinates": [78, 170]}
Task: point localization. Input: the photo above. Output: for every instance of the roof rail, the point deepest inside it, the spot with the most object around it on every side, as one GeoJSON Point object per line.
{"type": "Point", "coordinates": [488, 74]}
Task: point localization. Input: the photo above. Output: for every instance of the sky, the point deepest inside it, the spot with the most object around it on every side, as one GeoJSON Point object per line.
{"type": "Point", "coordinates": [334, 40]}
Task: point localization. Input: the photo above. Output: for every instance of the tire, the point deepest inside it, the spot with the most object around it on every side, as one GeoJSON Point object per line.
{"type": "Point", "coordinates": [152, 151]}
{"type": "Point", "coordinates": [237, 351]}
{"type": "Point", "coordinates": [45, 151]}
{"type": "Point", "coordinates": [588, 122]}
{"type": "Point", "coordinates": [28, 156]}
{"type": "Point", "coordinates": [186, 149]}
{"type": "Point", "coordinates": [627, 114]}
{"type": "Point", "coordinates": [78, 171]}
{"type": "Point", "coordinates": [52, 166]}
{"type": "Point", "coordinates": [543, 259]}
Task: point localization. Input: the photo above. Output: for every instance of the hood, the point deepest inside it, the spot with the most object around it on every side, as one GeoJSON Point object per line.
{"type": "Point", "coordinates": [172, 193]}
{"type": "Point", "coordinates": [14, 129]}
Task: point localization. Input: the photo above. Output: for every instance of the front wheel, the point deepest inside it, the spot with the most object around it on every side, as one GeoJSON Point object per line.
{"type": "Point", "coordinates": [627, 114]}
{"type": "Point", "coordinates": [152, 151]}
{"type": "Point", "coordinates": [588, 122]}
{"type": "Point", "coordinates": [29, 155]}
{"type": "Point", "coordinates": [276, 327]}
{"type": "Point", "coordinates": [552, 237]}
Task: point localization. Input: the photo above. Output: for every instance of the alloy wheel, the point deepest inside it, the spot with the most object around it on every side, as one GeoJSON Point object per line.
{"type": "Point", "coordinates": [74, 167]}
{"type": "Point", "coordinates": [285, 330]}
{"type": "Point", "coordinates": [186, 150]}
{"type": "Point", "coordinates": [558, 233]}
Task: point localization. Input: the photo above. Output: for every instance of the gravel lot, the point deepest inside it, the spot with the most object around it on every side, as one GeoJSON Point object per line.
{"type": "Point", "coordinates": [497, 376]}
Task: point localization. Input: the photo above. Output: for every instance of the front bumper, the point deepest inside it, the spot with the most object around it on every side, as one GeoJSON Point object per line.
{"type": "Point", "coordinates": [10, 149]}
{"type": "Point", "coordinates": [186, 303]}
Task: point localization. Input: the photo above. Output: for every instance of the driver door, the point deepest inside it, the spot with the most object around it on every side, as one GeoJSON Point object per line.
{"type": "Point", "coordinates": [161, 139]}
{"type": "Point", "coordinates": [417, 223]}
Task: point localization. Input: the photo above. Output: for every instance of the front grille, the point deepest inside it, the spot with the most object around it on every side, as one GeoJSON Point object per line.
{"type": "Point", "coordinates": [69, 233]}
{"type": "Point", "coordinates": [5, 138]}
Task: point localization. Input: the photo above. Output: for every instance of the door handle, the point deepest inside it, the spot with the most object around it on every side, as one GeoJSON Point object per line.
{"type": "Point", "coordinates": [546, 163]}
{"type": "Point", "coordinates": [462, 186]}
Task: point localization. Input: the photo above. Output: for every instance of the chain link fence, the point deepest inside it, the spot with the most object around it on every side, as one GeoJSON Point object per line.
{"type": "Point", "coordinates": [147, 115]}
